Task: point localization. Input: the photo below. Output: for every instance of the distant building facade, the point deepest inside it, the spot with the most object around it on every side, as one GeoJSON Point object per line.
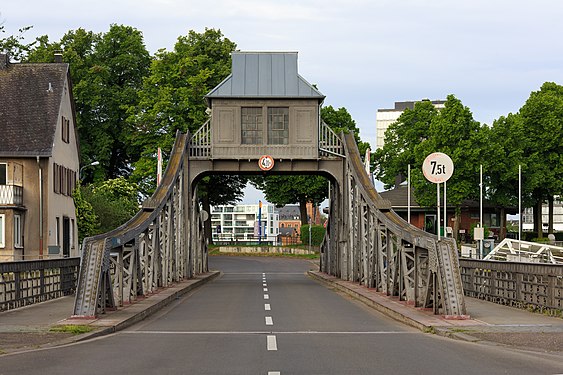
{"type": "Point", "coordinates": [528, 216]}
{"type": "Point", "coordinates": [240, 223]}
{"type": "Point", "coordinates": [39, 161]}
{"type": "Point", "coordinates": [386, 117]}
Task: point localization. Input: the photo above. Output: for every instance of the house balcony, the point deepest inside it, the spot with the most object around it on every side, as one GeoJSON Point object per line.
{"type": "Point", "coordinates": [11, 195]}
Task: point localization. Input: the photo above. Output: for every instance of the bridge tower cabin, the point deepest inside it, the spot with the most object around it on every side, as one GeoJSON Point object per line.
{"type": "Point", "coordinates": [264, 107]}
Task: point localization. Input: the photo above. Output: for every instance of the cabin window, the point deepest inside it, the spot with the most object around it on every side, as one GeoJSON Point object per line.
{"type": "Point", "coordinates": [251, 125]}
{"type": "Point", "coordinates": [278, 126]}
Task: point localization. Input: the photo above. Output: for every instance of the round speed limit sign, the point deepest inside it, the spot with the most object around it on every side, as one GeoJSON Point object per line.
{"type": "Point", "coordinates": [438, 167]}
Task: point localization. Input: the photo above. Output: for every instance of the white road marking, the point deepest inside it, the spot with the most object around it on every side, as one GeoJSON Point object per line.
{"type": "Point", "coordinates": [266, 296]}
{"type": "Point", "coordinates": [265, 289]}
{"type": "Point", "coordinates": [264, 284]}
{"type": "Point", "coordinates": [270, 332]}
{"type": "Point", "coordinates": [274, 373]}
{"type": "Point", "coordinates": [269, 321]}
{"type": "Point", "coordinates": [267, 307]}
{"type": "Point", "coordinates": [272, 343]}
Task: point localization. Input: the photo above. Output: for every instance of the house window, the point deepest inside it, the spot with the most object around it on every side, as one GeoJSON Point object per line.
{"type": "Point", "coordinates": [18, 231]}
{"type": "Point", "coordinates": [278, 126]}
{"type": "Point", "coordinates": [57, 230]}
{"type": "Point", "coordinates": [72, 234]}
{"type": "Point", "coordinates": [3, 173]}
{"type": "Point", "coordinates": [64, 180]}
{"type": "Point", "coordinates": [251, 125]}
{"type": "Point", "coordinates": [2, 231]}
{"type": "Point", "coordinates": [65, 129]}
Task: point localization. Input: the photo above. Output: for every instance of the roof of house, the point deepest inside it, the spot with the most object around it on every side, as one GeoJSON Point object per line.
{"type": "Point", "coordinates": [264, 75]}
{"type": "Point", "coordinates": [30, 100]}
{"type": "Point", "coordinates": [289, 212]}
{"type": "Point", "coordinates": [398, 197]}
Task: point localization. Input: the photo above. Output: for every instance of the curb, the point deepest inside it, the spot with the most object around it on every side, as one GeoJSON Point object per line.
{"type": "Point", "coordinates": [373, 304]}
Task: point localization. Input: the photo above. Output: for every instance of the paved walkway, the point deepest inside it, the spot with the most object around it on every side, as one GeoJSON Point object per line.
{"type": "Point", "coordinates": [31, 327]}
{"type": "Point", "coordinates": [487, 322]}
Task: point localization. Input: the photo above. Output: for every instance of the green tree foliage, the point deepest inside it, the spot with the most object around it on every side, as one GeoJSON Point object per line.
{"type": "Point", "coordinates": [401, 138]}
{"type": "Point", "coordinates": [86, 219]}
{"type": "Point", "coordinates": [107, 72]}
{"type": "Point", "coordinates": [424, 130]}
{"type": "Point", "coordinates": [317, 234]}
{"type": "Point", "coordinates": [113, 201]}
{"type": "Point", "coordinates": [542, 117]}
{"type": "Point", "coordinates": [340, 120]}
{"type": "Point", "coordinates": [282, 190]}
{"type": "Point", "coordinates": [173, 96]}
{"type": "Point", "coordinates": [14, 45]}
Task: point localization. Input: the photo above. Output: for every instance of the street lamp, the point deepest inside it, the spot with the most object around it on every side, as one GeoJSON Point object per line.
{"type": "Point", "coordinates": [89, 165]}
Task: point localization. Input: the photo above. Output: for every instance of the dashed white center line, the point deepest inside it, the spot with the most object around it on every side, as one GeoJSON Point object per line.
{"type": "Point", "coordinates": [272, 343]}
{"type": "Point", "coordinates": [266, 296]}
{"type": "Point", "coordinates": [274, 373]}
{"type": "Point", "coordinates": [267, 307]}
{"type": "Point", "coordinates": [264, 284]}
{"type": "Point", "coordinates": [269, 321]}
{"type": "Point", "coordinates": [265, 289]}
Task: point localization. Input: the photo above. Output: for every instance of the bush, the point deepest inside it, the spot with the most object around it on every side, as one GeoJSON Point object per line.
{"type": "Point", "coordinates": [317, 234]}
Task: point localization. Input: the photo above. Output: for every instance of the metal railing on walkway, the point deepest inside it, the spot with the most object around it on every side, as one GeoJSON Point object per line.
{"type": "Point", "coordinates": [513, 283]}
{"type": "Point", "coordinates": [26, 282]}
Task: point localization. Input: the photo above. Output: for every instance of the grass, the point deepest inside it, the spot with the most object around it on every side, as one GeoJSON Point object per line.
{"type": "Point", "coordinates": [74, 329]}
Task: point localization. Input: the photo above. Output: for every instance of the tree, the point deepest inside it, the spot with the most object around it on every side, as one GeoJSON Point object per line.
{"type": "Point", "coordinates": [401, 138]}
{"type": "Point", "coordinates": [86, 219]}
{"type": "Point", "coordinates": [113, 202]}
{"type": "Point", "coordinates": [340, 120]}
{"type": "Point", "coordinates": [107, 72]}
{"type": "Point", "coordinates": [282, 190]}
{"type": "Point", "coordinates": [14, 45]}
{"type": "Point", "coordinates": [173, 96]}
{"type": "Point", "coordinates": [542, 117]}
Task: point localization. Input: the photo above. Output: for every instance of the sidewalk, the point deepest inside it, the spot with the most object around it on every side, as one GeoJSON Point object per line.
{"type": "Point", "coordinates": [488, 322]}
{"type": "Point", "coordinates": [31, 327]}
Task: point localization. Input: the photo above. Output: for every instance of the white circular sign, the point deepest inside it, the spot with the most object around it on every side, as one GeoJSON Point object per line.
{"type": "Point", "coordinates": [438, 167]}
{"type": "Point", "coordinates": [266, 163]}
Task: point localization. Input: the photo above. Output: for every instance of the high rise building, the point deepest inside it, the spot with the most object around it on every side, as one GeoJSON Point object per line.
{"type": "Point", "coordinates": [386, 117]}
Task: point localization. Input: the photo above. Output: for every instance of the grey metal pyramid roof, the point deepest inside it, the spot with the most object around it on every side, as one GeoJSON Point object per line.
{"type": "Point", "coordinates": [264, 75]}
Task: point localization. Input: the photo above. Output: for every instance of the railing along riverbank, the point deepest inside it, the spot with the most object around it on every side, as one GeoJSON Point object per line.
{"type": "Point", "coordinates": [27, 282]}
{"type": "Point", "coordinates": [524, 285]}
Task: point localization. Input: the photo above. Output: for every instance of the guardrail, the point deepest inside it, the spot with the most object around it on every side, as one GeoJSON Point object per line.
{"type": "Point", "coordinates": [514, 284]}
{"type": "Point", "coordinates": [26, 282]}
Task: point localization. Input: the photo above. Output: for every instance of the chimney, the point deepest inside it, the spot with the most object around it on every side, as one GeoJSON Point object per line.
{"type": "Point", "coordinates": [58, 56]}
{"type": "Point", "coordinates": [399, 179]}
{"type": "Point", "coordinates": [4, 60]}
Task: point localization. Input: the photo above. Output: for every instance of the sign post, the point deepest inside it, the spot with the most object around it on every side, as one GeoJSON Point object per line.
{"type": "Point", "coordinates": [437, 168]}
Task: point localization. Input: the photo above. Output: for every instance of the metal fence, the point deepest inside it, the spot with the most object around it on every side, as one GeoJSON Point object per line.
{"type": "Point", "coordinates": [26, 282]}
{"type": "Point", "coordinates": [514, 284]}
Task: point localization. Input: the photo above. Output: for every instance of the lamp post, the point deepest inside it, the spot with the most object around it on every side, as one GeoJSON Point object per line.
{"type": "Point", "coordinates": [94, 163]}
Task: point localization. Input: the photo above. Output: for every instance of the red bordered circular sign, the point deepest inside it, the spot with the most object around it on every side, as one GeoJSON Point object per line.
{"type": "Point", "coordinates": [266, 163]}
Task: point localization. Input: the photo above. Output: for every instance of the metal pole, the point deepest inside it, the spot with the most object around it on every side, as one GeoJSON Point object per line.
{"type": "Point", "coordinates": [438, 206]}
{"type": "Point", "coordinates": [481, 209]}
{"type": "Point", "coordinates": [409, 194]}
{"type": "Point", "coordinates": [445, 214]}
{"type": "Point", "coordinates": [519, 208]}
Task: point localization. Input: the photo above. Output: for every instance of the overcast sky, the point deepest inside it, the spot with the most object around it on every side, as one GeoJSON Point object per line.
{"type": "Point", "coordinates": [362, 54]}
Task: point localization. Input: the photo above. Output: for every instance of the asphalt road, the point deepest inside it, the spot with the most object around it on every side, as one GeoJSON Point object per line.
{"type": "Point", "coordinates": [265, 316]}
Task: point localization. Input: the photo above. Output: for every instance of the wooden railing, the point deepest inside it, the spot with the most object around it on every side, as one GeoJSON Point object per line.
{"type": "Point", "coordinates": [11, 194]}
{"type": "Point", "coordinates": [26, 282]}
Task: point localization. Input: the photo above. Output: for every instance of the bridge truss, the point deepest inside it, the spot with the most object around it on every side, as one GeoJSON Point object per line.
{"type": "Point", "coordinates": [366, 241]}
